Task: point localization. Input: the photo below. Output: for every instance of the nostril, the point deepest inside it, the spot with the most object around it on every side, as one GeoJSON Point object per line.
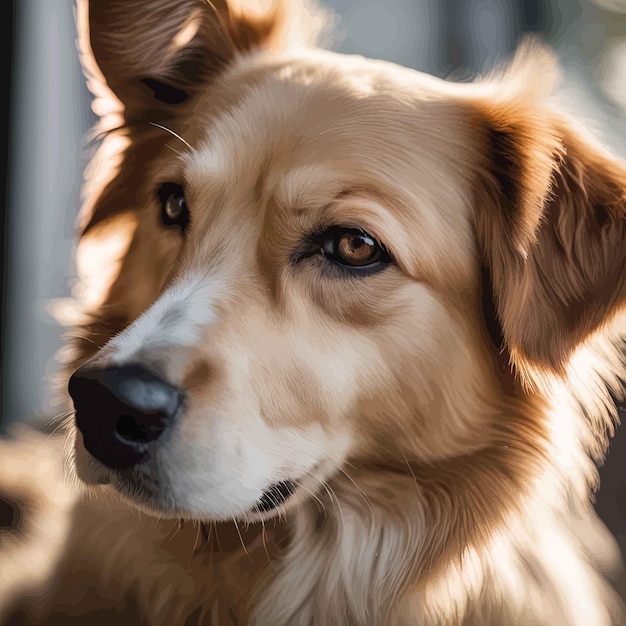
{"type": "Point", "coordinates": [128, 428]}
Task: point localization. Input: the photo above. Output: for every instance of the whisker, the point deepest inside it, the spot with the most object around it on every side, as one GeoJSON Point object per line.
{"type": "Point", "coordinates": [263, 538]}
{"type": "Point", "coordinates": [282, 513]}
{"type": "Point", "coordinates": [369, 502]}
{"type": "Point", "coordinates": [167, 145]}
{"type": "Point", "coordinates": [332, 495]}
{"type": "Point", "coordinates": [57, 428]}
{"type": "Point", "coordinates": [197, 544]}
{"type": "Point", "coordinates": [321, 504]}
{"type": "Point", "coordinates": [64, 420]}
{"type": "Point", "coordinates": [172, 533]}
{"type": "Point", "coordinates": [77, 336]}
{"type": "Point", "coordinates": [217, 539]}
{"type": "Point", "coordinates": [61, 415]}
{"type": "Point", "coordinates": [171, 132]}
{"type": "Point", "coordinates": [346, 462]}
{"type": "Point", "coordinates": [243, 545]}
{"type": "Point", "coordinates": [412, 472]}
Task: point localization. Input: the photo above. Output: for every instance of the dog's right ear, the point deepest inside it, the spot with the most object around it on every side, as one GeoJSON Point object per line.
{"type": "Point", "coordinates": [142, 57]}
{"type": "Point", "coordinates": [550, 221]}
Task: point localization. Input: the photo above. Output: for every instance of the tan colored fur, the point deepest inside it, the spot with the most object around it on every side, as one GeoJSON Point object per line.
{"type": "Point", "coordinates": [442, 415]}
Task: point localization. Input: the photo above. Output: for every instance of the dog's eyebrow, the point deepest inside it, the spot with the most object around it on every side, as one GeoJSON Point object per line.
{"type": "Point", "coordinates": [363, 189]}
{"type": "Point", "coordinates": [346, 192]}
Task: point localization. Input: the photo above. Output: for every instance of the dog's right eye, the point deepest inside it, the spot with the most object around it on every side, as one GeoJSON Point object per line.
{"type": "Point", "coordinates": [174, 211]}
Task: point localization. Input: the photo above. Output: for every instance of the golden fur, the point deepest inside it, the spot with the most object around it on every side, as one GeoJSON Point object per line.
{"type": "Point", "coordinates": [443, 415]}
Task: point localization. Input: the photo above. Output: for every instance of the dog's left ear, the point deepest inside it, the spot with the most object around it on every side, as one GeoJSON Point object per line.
{"type": "Point", "coordinates": [143, 58]}
{"type": "Point", "coordinates": [551, 222]}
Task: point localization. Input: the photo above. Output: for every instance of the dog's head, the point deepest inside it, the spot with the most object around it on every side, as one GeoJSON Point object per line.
{"type": "Point", "coordinates": [295, 259]}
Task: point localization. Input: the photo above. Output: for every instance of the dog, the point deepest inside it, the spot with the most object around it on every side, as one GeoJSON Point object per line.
{"type": "Point", "coordinates": [349, 337]}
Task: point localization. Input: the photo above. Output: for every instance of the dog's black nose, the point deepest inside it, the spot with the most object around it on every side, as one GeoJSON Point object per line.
{"type": "Point", "coordinates": [119, 410]}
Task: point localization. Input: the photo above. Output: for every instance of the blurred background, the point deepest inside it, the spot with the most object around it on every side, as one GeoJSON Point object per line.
{"type": "Point", "coordinates": [47, 115]}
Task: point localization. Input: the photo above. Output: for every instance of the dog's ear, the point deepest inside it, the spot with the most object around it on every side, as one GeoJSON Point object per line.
{"type": "Point", "coordinates": [142, 56]}
{"type": "Point", "coordinates": [550, 222]}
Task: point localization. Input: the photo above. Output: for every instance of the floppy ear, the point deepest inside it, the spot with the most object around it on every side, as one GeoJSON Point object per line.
{"type": "Point", "coordinates": [551, 222]}
{"type": "Point", "coordinates": [147, 56]}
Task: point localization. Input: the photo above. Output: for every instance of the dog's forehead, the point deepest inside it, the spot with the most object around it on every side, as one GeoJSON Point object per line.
{"type": "Point", "coordinates": [307, 131]}
{"type": "Point", "coordinates": [332, 111]}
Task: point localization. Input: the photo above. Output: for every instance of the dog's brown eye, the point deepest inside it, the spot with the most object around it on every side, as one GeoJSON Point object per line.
{"type": "Point", "coordinates": [174, 210]}
{"type": "Point", "coordinates": [357, 249]}
{"type": "Point", "coordinates": [353, 248]}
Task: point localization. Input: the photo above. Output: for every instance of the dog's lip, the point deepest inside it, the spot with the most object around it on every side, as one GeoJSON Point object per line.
{"type": "Point", "coordinates": [275, 495]}
{"type": "Point", "coordinates": [280, 491]}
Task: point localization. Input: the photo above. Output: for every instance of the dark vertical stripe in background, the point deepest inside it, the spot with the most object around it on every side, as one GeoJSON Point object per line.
{"type": "Point", "coordinates": [6, 59]}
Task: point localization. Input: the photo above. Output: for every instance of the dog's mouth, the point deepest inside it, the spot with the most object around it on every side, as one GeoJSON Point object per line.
{"type": "Point", "coordinates": [146, 487]}
{"type": "Point", "coordinates": [276, 495]}
{"type": "Point", "coordinates": [272, 498]}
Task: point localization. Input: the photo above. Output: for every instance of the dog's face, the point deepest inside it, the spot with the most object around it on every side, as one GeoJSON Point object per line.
{"type": "Point", "coordinates": [301, 275]}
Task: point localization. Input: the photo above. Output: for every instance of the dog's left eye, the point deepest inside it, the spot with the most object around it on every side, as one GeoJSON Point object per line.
{"type": "Point", "coordinates": [352, 249]}
{"type": "Point", "coordinates": [174, 211]}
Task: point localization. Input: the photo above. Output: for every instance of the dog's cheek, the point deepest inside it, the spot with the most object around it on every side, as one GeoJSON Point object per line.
{"type": "Point", "coordinates": [359, 301]}
{"type": "Point", "coordinates": [426, 368]}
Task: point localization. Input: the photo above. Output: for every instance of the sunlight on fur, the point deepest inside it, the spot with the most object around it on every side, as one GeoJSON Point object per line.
{"type": "Point", "coordinates": [344, 347]}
